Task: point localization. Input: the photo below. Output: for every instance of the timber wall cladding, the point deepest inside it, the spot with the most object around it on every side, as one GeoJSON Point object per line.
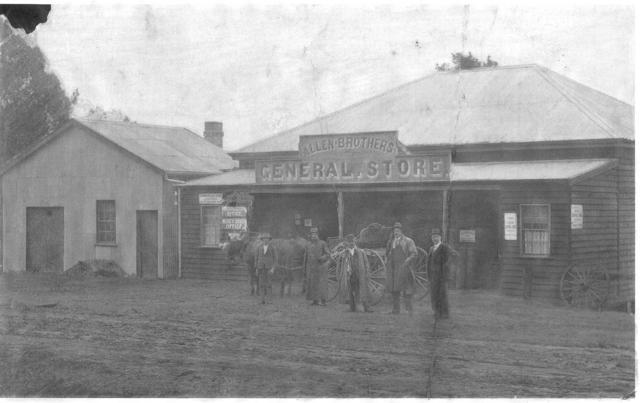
{"type": "Point", "coordinates": [626, 217]}
{"type": "Point", "coordinates": [545, 271]}
{"type": "Point", "coordinates": [198, 262]}
{"type": "Point", "coordinates": [597, 241]}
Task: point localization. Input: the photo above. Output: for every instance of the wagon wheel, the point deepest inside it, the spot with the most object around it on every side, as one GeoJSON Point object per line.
{"type": "Point", "coordinates": [333, 278]}
{"type": "Point", "coordinates": [420, 276]}
{"type": "Point", "coordinates": [585, 286]}
{"type": "Point", "coordinates": [377, 276]}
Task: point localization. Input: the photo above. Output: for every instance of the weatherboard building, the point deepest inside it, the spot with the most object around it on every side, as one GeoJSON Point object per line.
{"type": "Point", "coordinates": [526, 172]}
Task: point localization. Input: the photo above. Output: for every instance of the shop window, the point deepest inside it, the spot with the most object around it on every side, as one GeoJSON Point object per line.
{"type": "Point", "coordinates": [106, 222]}
{"type": "Point", "coordinates": [536, 239]}
{"type": "Point", "coordinates": [210, 223]}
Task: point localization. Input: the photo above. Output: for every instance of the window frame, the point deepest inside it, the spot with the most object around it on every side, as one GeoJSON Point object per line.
{"type": "Point", "coordinates": [218, 225]}
{"type": "Point", "coordinates": [101, 241]}
{"type": "Point", "coordinates": [522, 231]}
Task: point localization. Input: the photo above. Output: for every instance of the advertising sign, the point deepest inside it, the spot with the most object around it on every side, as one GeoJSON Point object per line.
{"type": "Point", "coordinates": [510, 227]}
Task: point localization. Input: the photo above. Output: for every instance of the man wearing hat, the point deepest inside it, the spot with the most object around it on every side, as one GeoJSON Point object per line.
{"type": "Point", "coordinates": [439, 255]}
{"type": "Point", "coordinates": [265, 261]}
{"type": "Point", "coordinates": [316, 265]}
{"type": "Point", "coordinates": [401, 253]}
{"type": "Point", "coordinates": [354, 266]}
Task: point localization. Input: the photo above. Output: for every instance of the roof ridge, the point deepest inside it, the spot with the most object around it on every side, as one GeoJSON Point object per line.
{"type": "Point", "coordinates": [191, 132]}
{"type": "Point", "coordinates": [581, 105]}
{"type": "Point", "coordinates": [383, 93]}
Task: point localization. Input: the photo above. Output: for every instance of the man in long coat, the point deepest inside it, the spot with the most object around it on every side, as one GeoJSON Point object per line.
{"type": "Point", "coordinates": [316, 266]}
{"type": "Point", "coordinates": [437, 270]}
{"type": "Point", "coordinates": [401, 254]}
{"type": "Point", "coordinates": [354, 264]}
{"type": "Point", "coordinates": [265, 263]}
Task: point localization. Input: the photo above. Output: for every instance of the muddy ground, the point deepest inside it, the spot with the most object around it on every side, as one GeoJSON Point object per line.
{"type": "Point", "coordinates": [63, 336]}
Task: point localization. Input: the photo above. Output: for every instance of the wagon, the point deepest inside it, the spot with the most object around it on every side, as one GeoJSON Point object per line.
{"type": "Point", "coordinates": [372, 240]}
{"type": "Point", "coordinates": [586, 286]}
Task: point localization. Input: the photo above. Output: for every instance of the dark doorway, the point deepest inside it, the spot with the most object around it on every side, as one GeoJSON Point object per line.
{"type": "Point", "coordinates": [147, 243]}
{"type": "Point", "coordinates": [45, 239]}
{"type": "Point", "coordinates": [473, 232]}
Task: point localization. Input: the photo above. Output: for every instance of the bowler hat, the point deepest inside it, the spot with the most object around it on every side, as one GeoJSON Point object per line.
{"type": "Point", "coordinates": [265, 235]}
{"type": "Point", "coordinates": [313, 230]}
{"type": "Point", "coordinates": [350, 238]}
{"type": "Point", "coordinates": [397, 225]}
{"type": "Point", "coordinates": [436, 231]}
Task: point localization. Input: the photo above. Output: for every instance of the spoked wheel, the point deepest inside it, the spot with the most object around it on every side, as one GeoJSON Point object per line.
{"type": "Point", "coordinates": [420, 277]}
{"type": "Point", "coordinates": [334, 277]}
{"type": "Point", "coordinates": [377, 276]}
{"type": "Point", "coordinates": [585, 286]}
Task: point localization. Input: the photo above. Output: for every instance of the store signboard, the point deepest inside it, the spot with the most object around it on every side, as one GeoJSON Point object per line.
{"type": "Point", "coordinates": [405, 168]}
{"type": "Point", "coordinates": [234, 224]}
{"type": "Point", "coordinates": [375, 143]}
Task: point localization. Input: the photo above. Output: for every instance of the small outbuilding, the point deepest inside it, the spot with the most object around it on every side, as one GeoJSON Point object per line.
{"type": "Point", "coordinates": [103, 190]}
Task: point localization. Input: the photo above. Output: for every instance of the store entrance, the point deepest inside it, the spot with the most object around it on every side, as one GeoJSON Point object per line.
{"type": "Point", "coordinates": [283, 214]}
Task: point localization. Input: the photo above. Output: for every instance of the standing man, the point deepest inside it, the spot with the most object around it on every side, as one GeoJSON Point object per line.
{"type": "Point", "coordinates": [315, 265]}
{"type": "Point", "coordinates": [265, 261]}
{"type": "Point", "coordinates": [437, 270]}
{"type": "Point", "coordinates": [401, 253]}
{"type": "Point", "coordinates": [354, 263]}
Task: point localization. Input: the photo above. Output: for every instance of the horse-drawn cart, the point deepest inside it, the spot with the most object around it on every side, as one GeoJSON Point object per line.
{"type": "Point", "coordinates": [373, 241]}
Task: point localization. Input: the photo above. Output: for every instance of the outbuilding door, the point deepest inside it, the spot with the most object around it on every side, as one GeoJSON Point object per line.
{"type": "Point", "coordinates": [45, 239]}
{"type": "Point", "coordinates": [147, 243]}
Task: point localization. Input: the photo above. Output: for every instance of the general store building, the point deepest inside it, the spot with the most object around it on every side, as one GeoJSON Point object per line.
{"type": "Point", "coordinates": [526, 171]}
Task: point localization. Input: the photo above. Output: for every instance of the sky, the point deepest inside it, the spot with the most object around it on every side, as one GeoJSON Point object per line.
{"type": "Point", "coordinates": [264, 68]}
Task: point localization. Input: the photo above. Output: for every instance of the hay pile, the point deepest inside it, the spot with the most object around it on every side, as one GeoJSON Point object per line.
{"type": "Point", "coordinates": [96, 268]}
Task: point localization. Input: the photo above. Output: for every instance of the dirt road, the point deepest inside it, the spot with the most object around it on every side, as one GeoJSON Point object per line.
{"type": "Point", "coordinates": [122, 337]}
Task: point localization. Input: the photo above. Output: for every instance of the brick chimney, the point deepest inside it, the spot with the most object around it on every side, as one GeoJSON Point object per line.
{"type": "Point", "coordinates": [213, 133]}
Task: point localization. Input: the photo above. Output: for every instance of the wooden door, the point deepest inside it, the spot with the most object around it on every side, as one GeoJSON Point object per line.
{"type": "Point", "coordinates": [147, 243]}
{"type": "Point", "coordinates": [45, 239]}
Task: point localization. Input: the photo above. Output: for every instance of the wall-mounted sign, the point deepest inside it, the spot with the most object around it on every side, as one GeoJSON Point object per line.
{"type": "Point", "coordinates": [510, 227]}
{"type": "Point", "coordinates": [210, 198]}
{"type": "Point", "coordinates": [234, 212]}
{"type": "Point", "coordinates": [319, 146]}
{"type": "Point", "coordinates": [576, 216]}
{"type": "Point", "coordinates": [234, 224]}
{"type": "Point", "coordinates": [467, 235]}
{"type": "Point", "coordinates": [363, 169]}
{"type": "Point", "coordinates": [307, 222]}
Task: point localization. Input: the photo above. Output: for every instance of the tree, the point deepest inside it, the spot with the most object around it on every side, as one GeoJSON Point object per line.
{"type": "Point", "coordinates": [32, 101]}
{"type": "Point", "coordinates": [461, 62]}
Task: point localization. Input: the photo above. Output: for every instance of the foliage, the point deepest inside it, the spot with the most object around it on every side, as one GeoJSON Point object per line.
{"type": "Point", "coordinates": [460, 61]}
{"type": "Point", "coordinates": [32, 101]}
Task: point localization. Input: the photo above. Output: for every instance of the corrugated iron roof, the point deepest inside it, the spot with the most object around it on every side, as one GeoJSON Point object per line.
{"type": "Point", "coordinates": [235, 177]}
{"type": "Point", "coordinates": [491, 105]}
{"type": "Point", "coordinates": [171, 149]}
{"type": "Point", "coordinates": [526, 170]}
{"type": "Point", "coordinates": [466, 172]}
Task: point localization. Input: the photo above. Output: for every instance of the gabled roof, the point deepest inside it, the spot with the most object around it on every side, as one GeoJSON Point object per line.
{"type": "Point", "coordinates": [510, 104]}
{"type": "Point", "coordinates": [173, 150]}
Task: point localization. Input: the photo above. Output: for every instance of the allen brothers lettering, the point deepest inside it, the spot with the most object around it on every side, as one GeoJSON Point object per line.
{"type": "Point", "coordinates": [405, 168]}
{"type": "Point", "coordinates": [385, 143]}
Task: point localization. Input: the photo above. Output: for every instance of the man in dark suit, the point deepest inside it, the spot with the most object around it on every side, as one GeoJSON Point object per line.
{"type": "Point", "coordinates": [354, 263]}
{"type": "Point", "coordinates": [265, 261]}
{"type": "Point", "coordinates": [437, 270]}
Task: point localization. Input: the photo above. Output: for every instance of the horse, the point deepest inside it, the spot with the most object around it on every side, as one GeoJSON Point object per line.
{"type": "Point", "coordinates": [289, 253]}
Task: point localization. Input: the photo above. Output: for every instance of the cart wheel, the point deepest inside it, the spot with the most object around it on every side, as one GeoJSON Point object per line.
{"type": "Point", "coordinates": [585, 286]}
{"type": "Point", "coordinates": [420, 277]}
{"type": "Point", "coordinates": [377, 276]}
{"type": "Point", "coordinates": [334, 279]}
